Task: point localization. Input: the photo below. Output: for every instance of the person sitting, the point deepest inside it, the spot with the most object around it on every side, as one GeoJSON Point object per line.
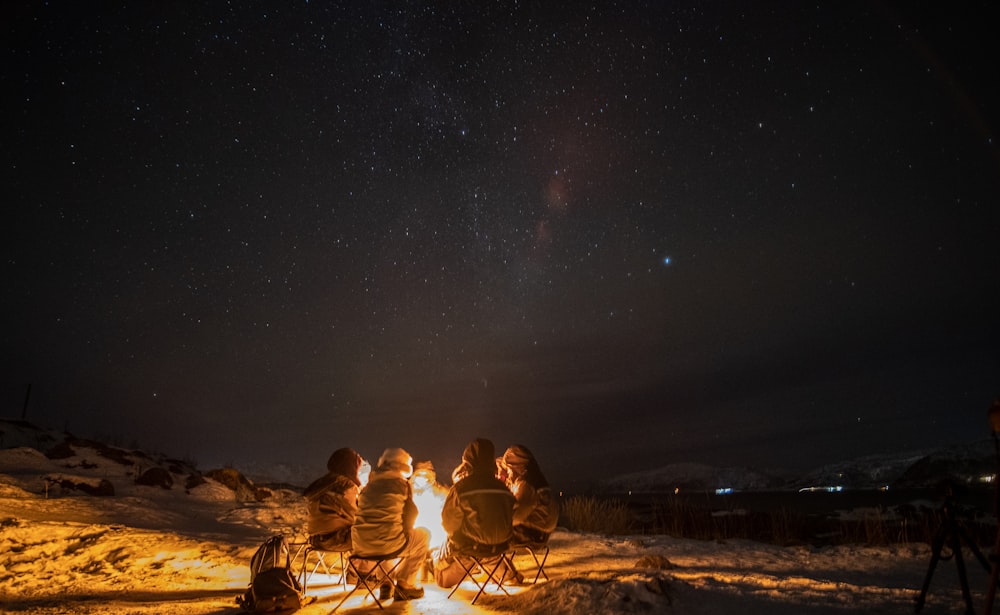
{"type": "Point", "coordinates": [384, 523]}
{"type": "Point", "coordinates": [428, 494]}
{"type": "Point", "coordinates": [536, 512]}
{"type": "Point", "coordinates": [332, 502]}
{"type": "Point", "coordinates": [477, 514]}
{"type": "Point", "coordinates": [424, 480]}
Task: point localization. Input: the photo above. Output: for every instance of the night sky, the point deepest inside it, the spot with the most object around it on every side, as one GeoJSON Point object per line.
{"type": "Point", "coordinates": [624, 235]}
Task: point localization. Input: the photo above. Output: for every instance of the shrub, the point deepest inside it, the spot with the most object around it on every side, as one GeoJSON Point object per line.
{"type": "Point", "coordinates": [590, 514]}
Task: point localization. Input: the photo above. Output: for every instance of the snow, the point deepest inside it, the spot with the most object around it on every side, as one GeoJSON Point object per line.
{"type": "Point", "coordinates": [964, 463]}
{"type": "Point", "coordinates": [148, 549]}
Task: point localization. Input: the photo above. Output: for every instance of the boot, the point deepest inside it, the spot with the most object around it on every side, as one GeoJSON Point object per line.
{"type": "Point", "coordinates": [408, 593]}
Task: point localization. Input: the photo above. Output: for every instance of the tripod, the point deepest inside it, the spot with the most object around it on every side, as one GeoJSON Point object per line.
{"type": "Point", "coordinates": [994, 416]}
{"type": "Point", "coordinates": [952, 534]}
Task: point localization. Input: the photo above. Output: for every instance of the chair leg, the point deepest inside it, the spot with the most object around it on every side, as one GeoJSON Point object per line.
{"type": "Point", "coordinates": [539, 565]}
{"type": "Point", "coordinates": [539, 561]}
{"type": "Point", "coordinates": [320, 561]}
{"type": "Point", "coordinates": [378, 573]}
{"type": "Point", "coordinates": [343, 571]}
{"type": "Point", "coordinates": [303, 550]}
{"type": "Point", "coordinates": [466, 574]}
{"type": "Point", "coordinates": [306, 572]}
{"type": "Point", "coordinates": [491, 575]}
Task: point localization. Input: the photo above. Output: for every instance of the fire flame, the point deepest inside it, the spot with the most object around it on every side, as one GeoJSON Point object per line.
{"type": "Point", "coordinates": [429, 499]}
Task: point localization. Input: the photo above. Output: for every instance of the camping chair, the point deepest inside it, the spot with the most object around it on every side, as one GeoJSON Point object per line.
{"type": "Point", "coordinates": [478, 564]}
{"type": "Point", "coordinates": [306, 572]}
{"type": "Point", "coordinates": [371, 579]}
{"type": "Point", "coordinates": [301, 552]}
{"type": "Point", "coordinates": [539, 552]}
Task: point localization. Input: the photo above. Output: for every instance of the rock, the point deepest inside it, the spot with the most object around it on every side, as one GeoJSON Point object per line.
{"type": "Point", "coordinates": [156, 477]}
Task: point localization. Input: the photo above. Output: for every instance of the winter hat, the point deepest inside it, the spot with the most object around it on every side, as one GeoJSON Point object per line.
{"type": "Point", "coordinates": [480, 456]}
{"type": "Point", "coordinates": [346, 462]}
{"type": "Point", "coordinates": [396, 460]}
{"type": "Point", "coordinates": [425, 469]}
{"type": "Point", "coordinates": [523, 464]}
{"type": "Point", "coordinates": [517, 456]}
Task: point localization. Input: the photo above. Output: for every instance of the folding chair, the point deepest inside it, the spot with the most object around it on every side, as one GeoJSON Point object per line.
{"type": "Point", "coordinates": [489, 563]}
{"type": "Point", "coordinates": [301, 551]}
{"type": "Point", "coordinates": [539, 552]}
{"type": "Point", "coordinates": [371, 579]}
{"type": "Point", "coordinates": [306, 573]}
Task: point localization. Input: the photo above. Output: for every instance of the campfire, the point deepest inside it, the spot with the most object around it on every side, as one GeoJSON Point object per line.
{"type": "Point", "coordinates": [429, 498]}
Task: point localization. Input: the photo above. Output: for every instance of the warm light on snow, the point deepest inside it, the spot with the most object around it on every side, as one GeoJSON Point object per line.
{"type": "Point", "coordinates": [149, 550]}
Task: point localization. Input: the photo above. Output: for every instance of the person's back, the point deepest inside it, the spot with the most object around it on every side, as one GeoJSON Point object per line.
{"type": "Point", "coordinates": [385, 510]}
{"type": "Point", "coordinates": [384, 524]}
{"type": "Point", "coordinates": [332, 502]}
{"type": "Point", "coordinates": [478, 513]}
{"type": "Point", "coordinates": [536, 512]}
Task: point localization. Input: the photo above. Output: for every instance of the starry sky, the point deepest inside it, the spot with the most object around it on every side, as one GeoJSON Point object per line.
{"type": "Point", "coordinates": [624, 234]}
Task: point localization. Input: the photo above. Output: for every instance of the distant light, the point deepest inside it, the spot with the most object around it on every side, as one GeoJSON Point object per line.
{"type": "Point", "coordinates": [828, 489]}
{"type": "Point", "coordinates": [667, 260]}
{"type": "Point", "coordinates": [723, 490]}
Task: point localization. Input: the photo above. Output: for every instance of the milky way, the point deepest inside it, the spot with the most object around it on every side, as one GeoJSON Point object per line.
{"type": "Point", "coordinates": [624, 236]}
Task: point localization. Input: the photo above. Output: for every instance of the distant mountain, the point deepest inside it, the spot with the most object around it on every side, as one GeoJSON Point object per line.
{"type": "Point", "coordinates": [689, 477]}
{"type": "Point", "coordinates": [869, 472]}
{"type": "Point", "coordinates": [59, 444]}
{"type": "Point", "coordinates": [968, 464]}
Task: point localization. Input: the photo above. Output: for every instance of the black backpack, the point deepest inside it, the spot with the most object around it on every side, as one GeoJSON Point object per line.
{"type": "Point", "coordinates": [273, 586]}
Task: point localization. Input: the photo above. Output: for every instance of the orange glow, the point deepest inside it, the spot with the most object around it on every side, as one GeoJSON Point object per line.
{"type": "Point", "coordinates": [429, 499]}
{"type": "Point", "coordinates": [363, 473]}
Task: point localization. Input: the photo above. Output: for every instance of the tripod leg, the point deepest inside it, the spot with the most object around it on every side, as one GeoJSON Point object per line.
{"type": "Point", "coordinates": [975, 549]}
{"type": "Point", "coordinates": [936, 545]}
{"type": "Point", "coordinates": [956, 546]}
{"type": "Point", "coordinates": [992, 591]}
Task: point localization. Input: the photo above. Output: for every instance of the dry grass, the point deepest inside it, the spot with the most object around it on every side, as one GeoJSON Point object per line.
{"type": "Point", "coordinates": [589, 514]}
{"type": "Point", "coordinates": [683, 518]}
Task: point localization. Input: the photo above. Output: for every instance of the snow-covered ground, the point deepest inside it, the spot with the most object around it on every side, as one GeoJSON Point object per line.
{"type": "Point", "coordinates": [149, 549]}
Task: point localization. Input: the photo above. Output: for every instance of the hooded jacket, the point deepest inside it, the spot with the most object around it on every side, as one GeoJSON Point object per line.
{"type": "Point", "coordinates": [479, 509]}
{"type": "Point", "coordinates": [386, 511]}
{"type": "Point", "coordinates": [535, 508]}
{"type": "Point", "coordinates": [332, 499]}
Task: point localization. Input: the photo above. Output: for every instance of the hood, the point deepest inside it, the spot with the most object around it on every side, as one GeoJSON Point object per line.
{"type": "Point", "coordinates": [346, 462]}
{"type": "Point", "coordinates": [480, 456]}
{"type": "Point", "coordinates": [396, 460]}
{"type": "Point", "coordinates": [522, 463]}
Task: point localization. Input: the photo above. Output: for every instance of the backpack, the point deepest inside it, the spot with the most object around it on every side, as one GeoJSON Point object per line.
{"type": "Point", "coordinates": [273, 586]}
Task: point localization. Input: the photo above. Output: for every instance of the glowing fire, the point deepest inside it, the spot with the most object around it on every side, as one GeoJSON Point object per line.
{"type": "Point", "coordinates": [429, 499]}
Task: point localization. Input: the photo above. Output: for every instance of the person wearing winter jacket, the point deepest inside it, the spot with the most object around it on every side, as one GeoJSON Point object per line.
{"type": "Point", "coordinates": [332, 502]}
{"type": "Point", "coordinates": [477, 514]}
{"type": "Point", "coordinates": [384, 523]}
{"type": "Point", "coordinates": [536, 511]}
